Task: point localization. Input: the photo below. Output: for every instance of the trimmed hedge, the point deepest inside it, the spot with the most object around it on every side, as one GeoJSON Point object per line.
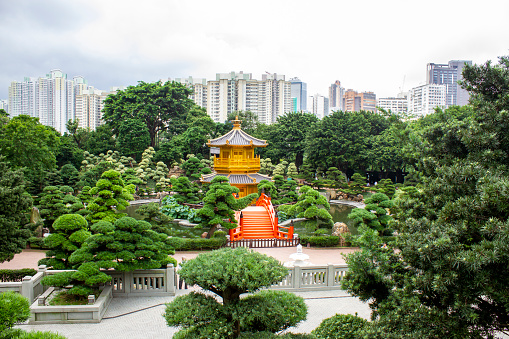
{"type": "Point", "coordinates": [198, 244]}
{"type": "Point", "coordinates": [341, 326]}
{"type": "Point", "coordinates": [16, 275]}
{"type": "Point", "coordinates": [319, 241]}
{"type": "Point", "coordinates": [269, 335]}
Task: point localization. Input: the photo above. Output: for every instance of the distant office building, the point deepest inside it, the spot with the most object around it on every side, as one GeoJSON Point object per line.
{"type": "Point", "coordinates": [299, 95]}
{"type": "Point", "coordinates": [449, 75]}
{"type": "Point", "coordinates": [395, 105]}
{"type": "Point", "coordinates": [319, 105]}
{"type": "Point", "coordinates": [354, 102]}
{"type": "Point", "coordinates": [199, 86]}
{"type": "Point", "coordinates": [268, 98]}
{"type": "Point", "coordinates": [89, 106]}
{"type": "Point", "coordinates": [51, 98]}
{"type": "Point", "coordinates": [425, 98]}
{"type": "Point", "coordinates": [4, 104]}
{"type": "Point", "coordinates": [336, 94]}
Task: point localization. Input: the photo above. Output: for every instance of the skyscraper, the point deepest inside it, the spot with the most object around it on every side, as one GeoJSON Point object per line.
{"type": "Point", "coordinates": [51, 98]}
{"type": "Point", "coordinates": [89, 106]}
{"type": "Point", "coordinates": [422, 100]}
{"type": "Point", "coordinates": [268, 98]}
{"type": "Point", "coordinates": [299, 95]}
{"type": "Point", "coordinates": [320, 105]}
{"type": "Point", "coordinates": [354, 102]}
{"type": "Point", "coordinates": [449, 75]}
{"type": "Point", "coordinates": [336, 94]}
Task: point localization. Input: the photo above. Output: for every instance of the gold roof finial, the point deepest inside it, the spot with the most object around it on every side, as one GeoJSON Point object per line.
{"type": "Point", "coordinates": [236, 122]}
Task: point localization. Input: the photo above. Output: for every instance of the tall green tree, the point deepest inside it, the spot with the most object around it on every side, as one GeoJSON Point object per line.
{"type": "Point", "coordinates": [220, 205]}
{"type": "Point", "coordinates": [14, 208]}
{"type": "Point", "coordinates": [133, 138]}
{"type": "Point", "coordinates": [159, 105]}
{"type": "Point", "coordinates": [287, 140]}
{"type": "Point", "coordinates": [444, 276]}
{"type": "Point", "coordinates": [27, 144]}
{"type": "Point", "coordinates": [343, 140]}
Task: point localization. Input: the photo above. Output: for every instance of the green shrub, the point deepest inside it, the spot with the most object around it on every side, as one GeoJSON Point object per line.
{"type": "Point", "coordinates": [36, 243]}
{"type": "Point", "coordinates": [40, 335]}
{"type": "Point", "coordinates": [340, 326]}
{"type": "Point", "coordinates": [13, 308]}
{"type": "Point", "coordinates": [269, 335]}
{"type": "Point", "coordinates": [319, 241]}
{"type": "Point", "coordinates": [198, 244]}
{"type": "Point", "coordinates": [272, 311]}
{"type": "Point", "coordinates": [219, 234]}
{"type": "Point", "coordinates": [16, 275]}
{"type": "Point", "coordinates": [321, 231]}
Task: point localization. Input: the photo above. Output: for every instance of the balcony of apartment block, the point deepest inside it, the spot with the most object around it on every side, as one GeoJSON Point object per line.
{"type": "Point", "coordinates": [242, 165]}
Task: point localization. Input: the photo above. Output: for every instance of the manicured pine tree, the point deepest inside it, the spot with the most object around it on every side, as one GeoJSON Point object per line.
{"type": "Point", "coordinates": [220, 205]}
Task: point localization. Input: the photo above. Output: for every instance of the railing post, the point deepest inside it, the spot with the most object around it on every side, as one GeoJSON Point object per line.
{"type": "Point", "coordinates": [170, 279]}
{"type": "Point", "coordinates": [297, 277]}
{"type": "Point", "coordinates": [27, 288]}
{"type": "Point", "coordinates": [330, 275]}
{"type": "Point", "coordinates": [128, 282]}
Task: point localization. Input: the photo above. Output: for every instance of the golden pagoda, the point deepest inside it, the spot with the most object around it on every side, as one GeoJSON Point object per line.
{"type": "Point", "coordinates": [237, 160]}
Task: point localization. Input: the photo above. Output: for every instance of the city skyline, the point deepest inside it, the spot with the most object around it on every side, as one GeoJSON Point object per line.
{"type": "Point", "coordinates": [119, 43]}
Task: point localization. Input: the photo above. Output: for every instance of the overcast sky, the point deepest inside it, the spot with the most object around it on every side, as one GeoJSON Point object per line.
{"type": "Point", "coordinates": [376, 45]}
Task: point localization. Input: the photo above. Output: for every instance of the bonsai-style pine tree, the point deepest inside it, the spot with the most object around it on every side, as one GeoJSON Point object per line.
{"type": "Point", "coordinates": [356, 184]}
{"type": "Point", "coordinates": [151, 212]}
{"type": "Point", "coordinates": [308, 206]}
{"type": "Point", "coordinates": [375, 214]}
{"type": "Point", "coordinates": [288, 192]}
{"type": "Point", "coordinates": [269, 188]}
{"type": "Point", "coordinates": [386, 187]}
{"type": "Point", "coordinates": [71, 230]}
{"type": "Point", "coordinates": [51, 205]}
{"type": "Point", "coordinates": [187, 191]}
{"type": "Point", "coordinates": [220, 205]}
{"type": "Point", "coordinates": [125, 245]}
{"type": "Point", "coordinates": [334, 177]}
{"type": "Point", "coordinates": [229, 273]}
{"type": "Point", "coordinates": [110, 195]}
{"type": "Point", "coordinates": [69, 175]}
{"type": "Point", "coordinates": [292, 171]}
{"type": "Point", "coordinates": [14, 209]}
{"type": "Point", "coordinates": [266, 166]}
{"type": "Point", "coordinates": [193, 167]}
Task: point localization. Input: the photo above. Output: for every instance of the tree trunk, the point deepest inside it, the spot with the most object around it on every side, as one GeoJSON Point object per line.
{"type": "Point", "coordinates": [211, 231]}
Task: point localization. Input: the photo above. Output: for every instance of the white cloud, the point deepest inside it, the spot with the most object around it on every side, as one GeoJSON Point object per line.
{"type": "Point", "coordinates": [368, 45]}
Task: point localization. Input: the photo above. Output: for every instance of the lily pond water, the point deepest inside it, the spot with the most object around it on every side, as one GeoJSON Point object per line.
{"type": "Point", "coordinates": [339, 214]}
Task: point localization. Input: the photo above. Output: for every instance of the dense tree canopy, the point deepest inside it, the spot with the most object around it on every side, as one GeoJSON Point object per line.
{"type": "Point", "coordinates": [158, 105]}
{"type": "Point", "coordinates": [14, 207]}
{"type": "Point", "coordinates": [445, 275]}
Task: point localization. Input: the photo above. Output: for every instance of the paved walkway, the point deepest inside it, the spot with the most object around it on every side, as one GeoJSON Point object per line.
{"type": "Point", "coordinates": [142, 317]}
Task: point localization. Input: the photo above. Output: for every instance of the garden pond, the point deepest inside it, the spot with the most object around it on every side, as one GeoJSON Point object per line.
{"type": "Point", "coordinates": [339, 214]}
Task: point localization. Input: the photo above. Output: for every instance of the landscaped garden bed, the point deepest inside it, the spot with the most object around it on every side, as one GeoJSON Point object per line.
{"type": "Point", "coordinates": [71, 314]}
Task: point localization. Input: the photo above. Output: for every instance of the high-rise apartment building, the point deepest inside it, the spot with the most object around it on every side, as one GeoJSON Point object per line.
{"type": "Point", "coordinates": [199, 86]}
{"type": "Point", "coordinates": [422, 100]}
{"type": "Point", "coordinates": [353, 101]}
{"type": "Point", "coordinates": [449, 75]}
{"type": "Point", "coordinates": [4, 104]}
{"type": "Point", "coordinates": [299, 95]}
{"type": "Point", "coordinates": [267, 98]}
{"type": "Point", "coordinates": [336, 94]}
{"type": "Point", "coordinates": [89, 106]}
{"type": "Point", "coordinates": [319, 105]}
{"type": "Point", "coordinates": [397, 105]}
{"type": "Point", "coordinates": [51, 98]}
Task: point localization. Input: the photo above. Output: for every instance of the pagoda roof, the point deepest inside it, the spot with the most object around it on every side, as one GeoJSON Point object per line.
{"type": "Point", "coordinates": [237, 137]}
{"type": "Point", "coordinates": [248, 178]}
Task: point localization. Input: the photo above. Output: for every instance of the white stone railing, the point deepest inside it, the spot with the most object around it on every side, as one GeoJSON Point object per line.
{"type": "Point", "coordinates": [307, 278]}
{"type": "Point", "coordinates": [30, 287]}
{"type": "Point", "coordinates": [146, 283]}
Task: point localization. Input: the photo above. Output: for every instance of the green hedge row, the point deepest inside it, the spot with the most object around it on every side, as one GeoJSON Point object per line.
{"type": "Point", "coordinates": [16, 275]}
{"type": "Point", "coordinates": [319, 241]}
{"type": "Point", "coordinates": [268, 335]}
{"type": "Point", "coordinates": [199, 244]}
